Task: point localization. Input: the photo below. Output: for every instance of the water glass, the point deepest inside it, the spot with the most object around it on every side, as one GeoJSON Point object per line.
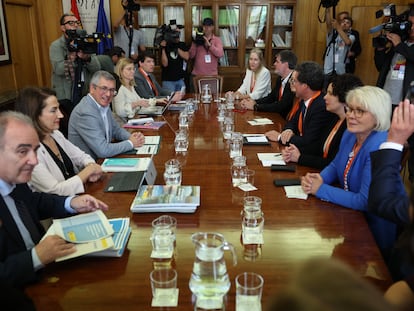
{"type": "Point", "coordinates": [189, 106]}
{"type": "Point", "coordinates": [221, 107]}
{"type": "Point", "coordinates": [252, 216]}
{"type": "Point", "coordinates": [249, 287]}
{"type": "Point", "coordinates": [172, 173]}
{"type": "Point", "coordinates": [183, 119]}
{"type": "Point", "coordinates": [181, 141]}
{"type": "Point", "coordinates": [164, 287]}
{"type": "Point", "coordinates": [163, 233]}
{"type": "Point", "coordinates": [236, 144]}
{"type": "Point", "coordinates": [228, 127]}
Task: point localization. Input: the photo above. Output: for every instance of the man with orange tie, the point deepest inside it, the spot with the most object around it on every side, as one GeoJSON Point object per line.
{"type": "Point", "coordinates": [309, 120]}
{"type": "Point", "coordinates": [146, 84]}
{"type": "Point", "coordinates": [281, 98]}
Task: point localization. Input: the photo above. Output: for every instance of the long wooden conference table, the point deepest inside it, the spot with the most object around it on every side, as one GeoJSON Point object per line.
{"type": "Point", "coordinates": [294, 229]}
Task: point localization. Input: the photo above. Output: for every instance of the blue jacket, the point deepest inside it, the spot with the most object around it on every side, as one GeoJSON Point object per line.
{"type": "Point", "coordinates": [359, 180]}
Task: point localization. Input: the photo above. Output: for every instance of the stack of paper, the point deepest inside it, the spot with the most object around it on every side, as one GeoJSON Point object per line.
{"type": "Point", "coordinates": [268, 159]}
{"type": "Point", "coordinates": [125, 164]}
{"type": "Point", "coordinates": [295, 192]}
{"type": "Point", "coordinates": [260, 121]}
{"type": "Point", "coordinates": [161, 198]}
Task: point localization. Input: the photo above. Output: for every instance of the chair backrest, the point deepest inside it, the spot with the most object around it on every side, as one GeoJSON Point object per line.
{"type": "Point", "coordinates": [215, 82]}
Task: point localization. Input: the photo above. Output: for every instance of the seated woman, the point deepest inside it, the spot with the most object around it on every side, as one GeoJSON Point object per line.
{"type": "Point", "coordinates": [321, 154]}
{"type": "Point", "coordinates": [257, 81]}
{"type": "Point", "coordinates": [127, 102]}
{"type": "Point", "coordinates": [368, 113]}
{"type": "Point", "coordinates": [63, 168]}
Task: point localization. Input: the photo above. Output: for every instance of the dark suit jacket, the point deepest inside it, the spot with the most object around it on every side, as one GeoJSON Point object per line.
{"type": "Point", "coordinates": [271, 102]}
{"type": "Point", "coordinates": [16, 267]}
{"type": "Point", "coordinates": [312, 155]}
{"type": "Point", "coordinates": [144, 90]}
{"type": "Point", "coordinates": [315, 121]}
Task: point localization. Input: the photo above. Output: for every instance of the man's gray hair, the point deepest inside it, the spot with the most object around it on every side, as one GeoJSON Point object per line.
{"type": "Point", "coordinates": [101, 74]}
{"type": "Point", "coordinates": [7, 116]}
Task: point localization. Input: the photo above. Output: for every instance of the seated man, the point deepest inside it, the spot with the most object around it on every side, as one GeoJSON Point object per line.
{"type": "Point", "coordinates": [310, 119]}
{"type": "Point", "coordinates": [21, 251]}
{"type": "Point", "coordinates": [146, 84]}
{"type": "Point", "coordinates": [281, 98]}
{"type": "Point", "coordinates": [93, 128]}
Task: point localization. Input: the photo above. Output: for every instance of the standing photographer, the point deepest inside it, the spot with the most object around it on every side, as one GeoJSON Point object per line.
{"type": "Point", "coordinates": [206, 52]}
{"type": "Point", "coordinates": [174, 57]}
{"type": "Point", "coordinates": [65, 64]}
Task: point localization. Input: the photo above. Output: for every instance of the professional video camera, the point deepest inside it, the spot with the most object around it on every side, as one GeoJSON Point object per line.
{"type": "Point", "coordinates": [131, 6]}
{"type": "Point", "coordinates": [168, 33]}
{"type": "Point", "coordinates": [329, 3]}
{"type": "Point", "coordinates": [79, 40]}
{"type": "Point", "coordinates": [199, 36]}
{"type": "Point", "coordinates": [398, 24]}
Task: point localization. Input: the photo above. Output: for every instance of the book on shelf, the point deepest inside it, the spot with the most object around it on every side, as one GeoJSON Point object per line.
{"type": "Point", "coordinates": [162, 198]}
{"type": "Point", "coordinates": [91, 232]}
{"type": "Point", "coordinates": [125, 164]}
{"type": "Point", "coordinates": [122, 232]}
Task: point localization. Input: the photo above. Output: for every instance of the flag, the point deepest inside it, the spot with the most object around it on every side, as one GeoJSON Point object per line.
{"type": "Point", "coordinates": [74, 9]}
{"type": "Point", "coordinates": [103, 27]}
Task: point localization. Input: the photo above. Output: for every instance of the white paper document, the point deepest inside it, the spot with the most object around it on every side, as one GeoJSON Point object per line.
{"type": "Point", "coordinates": [268, 159]}
{"type": "Point", "coordinates": [256, 138]}
{"type": "Point", "coordinates": [295, 192]}
{"type": "Point", "coordinates": [260, 121]}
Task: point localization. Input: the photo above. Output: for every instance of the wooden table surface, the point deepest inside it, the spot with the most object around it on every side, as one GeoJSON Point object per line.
{"type": "Point", "coordinates": [294, 229]}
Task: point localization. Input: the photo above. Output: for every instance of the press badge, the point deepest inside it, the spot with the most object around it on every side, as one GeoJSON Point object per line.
{"type": "Point", "coordinates": [207, 58]}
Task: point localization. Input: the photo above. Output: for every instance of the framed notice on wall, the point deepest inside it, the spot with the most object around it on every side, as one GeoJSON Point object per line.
{"type": "Point", "coordinates": [4, 41]}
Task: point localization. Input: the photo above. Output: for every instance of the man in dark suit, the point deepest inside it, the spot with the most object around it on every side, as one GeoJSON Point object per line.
{"type": "Point", "coordinates": [146, 83]}
{"type": "Point", "coordinates": [310, 119]}
{"type": "Point", "coordinates": [281, 98]}
{"type": "Point", "coordinates": [387, 196]}
{"type": "Point", "coordinates": [21, 251]}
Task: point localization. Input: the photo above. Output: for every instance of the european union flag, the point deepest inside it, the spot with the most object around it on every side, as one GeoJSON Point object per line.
{"type": "Point", "coordinates": [102, 26]}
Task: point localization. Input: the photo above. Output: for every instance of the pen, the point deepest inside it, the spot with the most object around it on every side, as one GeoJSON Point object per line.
{"type": "Point", "coordinates": [277, 154]}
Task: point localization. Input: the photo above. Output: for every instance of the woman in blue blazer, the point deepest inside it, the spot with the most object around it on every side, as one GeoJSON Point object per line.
{"type": "Point", "coordinates": [346, 180]}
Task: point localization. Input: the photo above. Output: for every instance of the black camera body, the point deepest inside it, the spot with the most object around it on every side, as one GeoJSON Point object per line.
{"type": "Point", "coordinates": [398, 24]}
{"type": "Point", "coordinates": [79, 40]}
{"type": "Point", "coordinates": [199, 36]}
{"type": "Point", "coordinates": [132, 6]}
{"type": "Point", "coordinates": [329, 3]}
{"type": "Point", "coordinates": [168, 33]}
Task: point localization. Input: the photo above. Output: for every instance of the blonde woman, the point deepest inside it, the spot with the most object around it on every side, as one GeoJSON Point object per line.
{"type": "Point", "coordinates": [127, 101]}
{"type": "Point", "coordinates": [257, 81]}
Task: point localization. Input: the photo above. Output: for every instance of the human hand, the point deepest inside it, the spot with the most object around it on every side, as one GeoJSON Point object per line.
{"type": "Point", "coordinates": [161, 100]}
{"type": "Point", "coordinates": [291, 153]}
{"type": "Point", "coordinates": [248, 103]}
{"type": "Point", "coordinates": [83, 55]}
{"type": "Point", "coordinates": [87, 203]}
{"type": "Point", "coordinates": [93, 172]}
{"type": "Point", "coordinates": [272, 135]}
{"type": "Point", "coordinates": [402, 124]}
{"type": "Point", "coordinates": [311, 183]}
{"type": "Point", "coordinates": [137, 139]}
{"type": "Point", "coordinates": [394, 38]}
{"type": "Point", "coordinates": [285, 136]}
{"type": "Point", "coordinates": [53, 247]}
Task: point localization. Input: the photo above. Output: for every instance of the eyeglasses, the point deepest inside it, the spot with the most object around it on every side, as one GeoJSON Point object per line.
{"type": "Point", "coordinates": [72, 23]}
{"type": "Point", "coordinates": [104, 89]}
{"type": "Point", "coordinates": [358, 113]}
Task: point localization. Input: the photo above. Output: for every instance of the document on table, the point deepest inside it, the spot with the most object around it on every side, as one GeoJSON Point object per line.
{"type": "Point", "coordinates": [260, 121]}
{"type": "Point", "coordinates": [255, 139]}
{"type": "Point", "coordinates": [268, 159]}
{"type": "Point", "coordinates": [295, 192]}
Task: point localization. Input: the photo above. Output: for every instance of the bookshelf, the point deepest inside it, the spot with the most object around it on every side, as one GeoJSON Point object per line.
{"type": "Point", "coordinates": [241, 25]}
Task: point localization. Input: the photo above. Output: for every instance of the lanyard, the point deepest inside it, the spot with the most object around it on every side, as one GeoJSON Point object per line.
{"type": "Point", "coordinates": [330, 137]}
{"type": "Point", "coordinates": [352, 156]}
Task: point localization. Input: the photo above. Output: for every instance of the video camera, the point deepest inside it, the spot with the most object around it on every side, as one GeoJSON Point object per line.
{"type": "Point", "coordinates": [199, 36]}
{"type": "Point", "coordinates": [329, 3]}
{"type": "Point", "coordinates": [131, 6]}
{"type": "Point", "coordinates": [168, 33]}
{"type": "Point", "coordinates": [398, 24]}
{"type": "Point", "coordinates": [79, 40]}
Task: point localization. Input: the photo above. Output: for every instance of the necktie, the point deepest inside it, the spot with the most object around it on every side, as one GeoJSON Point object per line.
{"type": "Point", "coordinates": [154, 89]}
{"type": "Point", "coordinates": [26, 218]}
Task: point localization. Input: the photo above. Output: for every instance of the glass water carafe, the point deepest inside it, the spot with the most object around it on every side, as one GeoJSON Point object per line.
{"type": "Point", "coordinates": [209, 279]}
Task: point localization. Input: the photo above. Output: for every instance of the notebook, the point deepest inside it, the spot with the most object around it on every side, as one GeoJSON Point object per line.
{"type": "Point", "coordinates": [159, 110]}
{"type": "Point", "coordinates": [125, 181]}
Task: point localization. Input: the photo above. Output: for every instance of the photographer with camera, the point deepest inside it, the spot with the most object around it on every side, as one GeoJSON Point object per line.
{"type": "Point", "coordinates": [174, 57]}
{"type": "Point", "coordinates": [72, 68]}
{"type": "Point", "coordinates": [206, 51]}
{"type": "Point", "coordinates": [339, 41]}
{"type": "Point", "coordinates": [131, 40]}
{"type": "Point", "coordinates": [394, 56]}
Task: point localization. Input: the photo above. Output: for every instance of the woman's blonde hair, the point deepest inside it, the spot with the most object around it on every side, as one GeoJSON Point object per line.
{"type": "Point", "coordinates": [122, 63]}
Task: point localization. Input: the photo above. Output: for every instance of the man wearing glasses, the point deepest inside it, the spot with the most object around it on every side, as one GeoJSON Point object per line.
{"type": "Point", "coordinates": [93, 128]}
{"type": "Point", "coordinates": [64, 66]}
